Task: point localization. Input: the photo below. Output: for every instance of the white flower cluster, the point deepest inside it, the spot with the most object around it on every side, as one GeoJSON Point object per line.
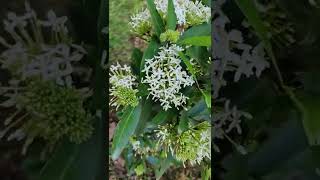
{"type": "Point", "coordinates": [231, 54]}
{"type": "Point", "coordinates": [140, 22]}
{"type": "Point", "coordinates": [122, 86]}
{"type": "Point", "coordinates": [30, 55]}
{"type": "Point", "coordinates": [121, 76]}
{"type": "Point", "coordinates": [250, 60]}
{"type": "Point", "coordinates": [140, 148]}
{"type": "Point", "coordinates": [192, 145]}
{"type": "Point", "coordinates": [204, 148]}
{"type": "Point", "coordinates": [166, 78]}
{"type": "Point", "coordinates": [36, 50]}
{"type": "Point", "coordinates": [227, 120]}
{"type": "Point", "coordinates": [188, 12]}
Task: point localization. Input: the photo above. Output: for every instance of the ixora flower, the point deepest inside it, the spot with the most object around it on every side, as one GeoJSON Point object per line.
{"type": "Point", "coordinates": [30, 55]}
{"type": "Point", "coordinates": [192, 145]}
{"type": "Point", "coordinates": [41, 92]}
{"type": "Point", "coordinates": [232, 54]}
{"type": "Point", "coordinates": [141, 22]}
{"type": "Point", "coordinates": [122, 86]}
{"type": "Point", "coordinates": [166, 78]}
{"type": "Point", "coordinates": [188, 13]}
{"type": "Point", "coordinates": [227, 120]}
{"type": "Point", "coordinates": [48, 111]}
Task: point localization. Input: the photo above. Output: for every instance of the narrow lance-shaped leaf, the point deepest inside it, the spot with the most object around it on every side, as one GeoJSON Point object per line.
{"type": "Point", "coordinates": [156, 18]}
{"type": "Point", "coordinates": [171, 16]}
{"type": "Point", "coordinates": [125, 128]}
{"type": "Point", "coordinates": [145, 117]}
{"type": "Point", "coordinates": [311, 117]}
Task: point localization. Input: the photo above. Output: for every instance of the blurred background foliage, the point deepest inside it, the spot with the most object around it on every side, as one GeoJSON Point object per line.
{"type": "Point", "coordinates": [120, 38]}
{"type": "Point", "coordinates": [282, 139]}
{"type": "Point", "coordinates": [86, 19]}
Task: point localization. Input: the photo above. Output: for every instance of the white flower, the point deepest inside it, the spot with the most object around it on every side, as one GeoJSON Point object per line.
{"type": "Point", "coordinates": [165, 77]}
{"type": "Point", "coordinates": [227, 120]}
{"type": "Point", "coordinates": [232, 54]}
{"type": "Point", "coordinates": [29, 55]}
{"type": "Point", "coordinates": [187, 12]}
{"type": "Point", "coordinates": [141, 22]}
{"type": "Point", "coordinates": [135, 145]}
{"type": "Point", "coordinates": [122, 86]}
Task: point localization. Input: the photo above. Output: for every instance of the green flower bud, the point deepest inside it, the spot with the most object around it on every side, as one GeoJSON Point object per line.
{"type": "Point", "coordinates": [170, 35]}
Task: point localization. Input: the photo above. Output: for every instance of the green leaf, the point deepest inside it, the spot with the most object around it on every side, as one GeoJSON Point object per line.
{"type": "Point", "coordinates": [207, 98]}
{"type": "Point", "coordinates": [206, 94]}
{"type": "Point", "coordinates": [136, 60]}
{"type": "Point", "coordinates": [125, 128]}
{"type": "Point", "coordinates": [171, 16]}
{"type": "Point", "coordinates": [292, 140]}
{"type": "Point", "coordinates": [200, 111]}
{"type": "Point", "coordinates": [89, 161]}
{"type": "Point", "coordinates": [165, 164]}
{"type": "Point", "coordinates": [139, 169]}
{"type": "Point", "coordinates": [205, 173]}
{"type": "Point", "coordinates": [201, 55]}
{"type": "Point", "coordinates": [145, 116]}
{"type": "Point", "coordinates": [160, 118]}
{"type": "Point", "coordinates": [156, 18]}
{"type": "Point", "coordinates": [311, 117]}
{"type": "Point", "coordinates": [197, 36]}
{"type": "Point", "coordinates": [197, 41]}
{"type": "Point", "coordinates": [59, 165]}
{"type": "Point", "coordinates": [149, 53]}
{"type": "Point", "coordinates": [183, 122]}
{"type": "Point", "coordinates": [186, 61]}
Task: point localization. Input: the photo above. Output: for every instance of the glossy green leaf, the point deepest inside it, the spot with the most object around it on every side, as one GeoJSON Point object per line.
{"type": "Point", "coordinates": [311, 121]}
{"type": "Point", "coordinates": [125, 128]}
{"type": "Point", "coordinates": [156, 18]}
{"type": "Point", "coordinates": [145, 116]}
{"type": "Point", "coordinates": [197, 41]}
{"type": "Point", "coordinates": [197, 36]}
{"type": "Point", "coordinates": [171, 16]}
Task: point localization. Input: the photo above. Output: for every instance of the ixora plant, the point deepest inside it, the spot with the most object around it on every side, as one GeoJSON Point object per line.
{"type": "Point", "coordinates": [48, 109]}
{"type": "Point", "coordinates": [41, 98]}
{"type": "Point", "coordinates": [266, 108]}
{"type": "Point", "coordinates": [163, 97]}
